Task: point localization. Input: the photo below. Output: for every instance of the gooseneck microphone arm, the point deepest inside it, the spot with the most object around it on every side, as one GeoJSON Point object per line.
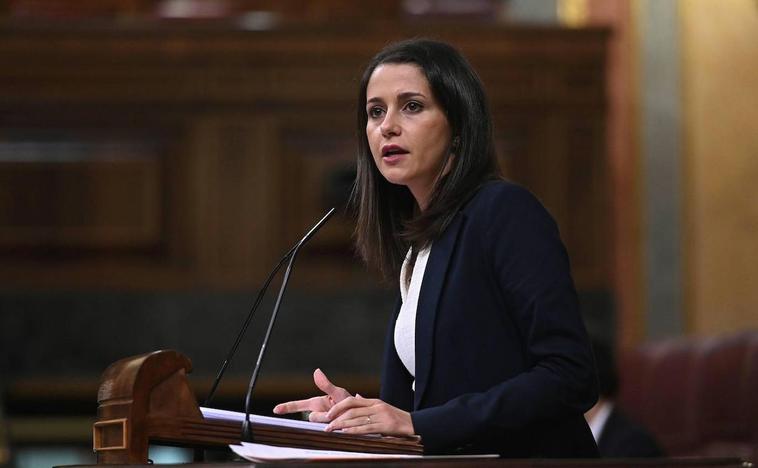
{"type": "Point", "coordinates": [242, 331]}
{"type": "Point", "coordinates": [247, 431]}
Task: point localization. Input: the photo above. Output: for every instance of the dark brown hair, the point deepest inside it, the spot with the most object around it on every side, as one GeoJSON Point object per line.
{"type": "Point", "coordinates": [388, 221]}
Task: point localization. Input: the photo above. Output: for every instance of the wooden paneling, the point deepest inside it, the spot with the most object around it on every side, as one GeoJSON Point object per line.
{"type": "Point", "coordinates": [243, 139]}
{"type": "Point", "coordinates": [97, 204]}
{"type": "Point", "coordinates": [720, 149]}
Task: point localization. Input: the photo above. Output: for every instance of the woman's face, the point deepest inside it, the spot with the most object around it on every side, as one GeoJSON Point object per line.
{"type": "Point", "coordinates": [407, 129]}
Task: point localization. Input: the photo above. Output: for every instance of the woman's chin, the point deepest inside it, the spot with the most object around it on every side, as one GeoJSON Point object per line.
{"type": "Point", "coordinates": [394, 177]}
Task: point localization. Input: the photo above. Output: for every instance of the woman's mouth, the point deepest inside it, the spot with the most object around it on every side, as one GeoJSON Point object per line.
{"type": "Point", "coordinates": [392, 154]}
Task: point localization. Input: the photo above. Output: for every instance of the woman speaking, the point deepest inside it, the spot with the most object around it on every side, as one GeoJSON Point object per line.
{"type": "Point", "coordinates": [486, 351]}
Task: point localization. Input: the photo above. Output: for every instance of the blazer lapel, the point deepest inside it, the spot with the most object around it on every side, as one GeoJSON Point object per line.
{"type": "Point", "coordinates": [431, 289]}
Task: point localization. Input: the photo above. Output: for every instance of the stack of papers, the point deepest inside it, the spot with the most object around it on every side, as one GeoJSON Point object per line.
{"type": "Point", "coordinates": [268, 453]}
{"type": "Point", "coordinates": [224, 415]}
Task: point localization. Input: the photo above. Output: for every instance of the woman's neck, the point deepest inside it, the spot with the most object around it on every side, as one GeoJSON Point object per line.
{"type": "Point", "coordinates": [422, 198]}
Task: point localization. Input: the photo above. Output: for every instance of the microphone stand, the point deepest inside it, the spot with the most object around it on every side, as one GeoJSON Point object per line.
{"type": "Point", "coordinates": [247, 430]}
{"type": "Point", "coordinates": [199, 454]}
{"type": "Point", "coordinates": [249, 317]}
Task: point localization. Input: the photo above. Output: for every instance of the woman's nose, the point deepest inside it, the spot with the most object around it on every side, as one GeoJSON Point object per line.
{"type": "Point", "coordinates": [390, 125]}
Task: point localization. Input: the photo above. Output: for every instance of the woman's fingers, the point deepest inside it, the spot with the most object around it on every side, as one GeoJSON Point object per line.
{"type": "Point", "coordinates": [354, 417]}
{"type": "Point", "coordinates": [325, 385]}
{"type": "Point", "coordinates": [320, 403]}
{"type": "Point", "coordinates": [360, 415]}
{"type": "Point", "coordinates": [346, 404]}
{"type": "Point", "coordinates": [353, 414]}
{"type": "Point", "coordinates": [366, 424]}
{"type": "Point", "coordinates": [357, 415]}
{"type": "Point", "coordinates": [317, 405]}
{"type": "Point", "coordinates": [288, 407]}
{"type": "Point", "coordinates": [318, 416]}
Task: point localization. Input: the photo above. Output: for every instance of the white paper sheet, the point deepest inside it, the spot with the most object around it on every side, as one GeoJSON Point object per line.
{"type": "Point", "coordinates": [224, 415]}
{"type": "Point", "coordinates": [269, 453]}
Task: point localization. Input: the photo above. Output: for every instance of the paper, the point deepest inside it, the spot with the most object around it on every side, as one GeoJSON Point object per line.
{"type": "Point", "coordinates": [268, 453]}
{"type": "Point", "coordinates": [224, 415]}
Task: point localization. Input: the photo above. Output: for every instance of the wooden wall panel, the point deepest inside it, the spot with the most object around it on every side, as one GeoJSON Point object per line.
{"type": "Point", "coordinates": [720, 149]}
{"type": "Point", "coordinates": [248, 138]}
{"type": "Point", "coordinates": [81, 204]}
{"type": "Point", "coordinates": [236, 181]}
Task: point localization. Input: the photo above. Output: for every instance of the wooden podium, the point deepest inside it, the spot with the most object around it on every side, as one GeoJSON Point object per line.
{"type": "Point", "coordinates": [146, 398]}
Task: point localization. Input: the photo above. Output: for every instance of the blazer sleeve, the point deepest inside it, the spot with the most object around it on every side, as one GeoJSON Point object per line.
{"type": "Point", "coordinates": [531, 268]}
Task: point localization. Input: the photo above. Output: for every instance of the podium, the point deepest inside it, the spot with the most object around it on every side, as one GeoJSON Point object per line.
{"type": "Point", "coordinates": [147, 399]}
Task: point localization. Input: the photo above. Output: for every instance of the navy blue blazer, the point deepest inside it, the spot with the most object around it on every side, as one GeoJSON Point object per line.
{"type": "Point", "coordinates": [503, 361]}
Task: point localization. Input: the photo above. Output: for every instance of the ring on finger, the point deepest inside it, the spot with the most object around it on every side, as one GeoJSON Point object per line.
{"type": "Point", "coordinates": [368, 419]}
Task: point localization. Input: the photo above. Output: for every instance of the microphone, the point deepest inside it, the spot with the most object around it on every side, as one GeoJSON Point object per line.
{"type": "Point", "coordinates": [242, 331]}
{"type": "Point", "coordinates": [253, 309]}
{"type": "Point", "coordinates": [247, 430]}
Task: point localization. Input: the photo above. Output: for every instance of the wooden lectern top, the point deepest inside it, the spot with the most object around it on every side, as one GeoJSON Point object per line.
{"type": "Point", "coordinates": [147, 398]}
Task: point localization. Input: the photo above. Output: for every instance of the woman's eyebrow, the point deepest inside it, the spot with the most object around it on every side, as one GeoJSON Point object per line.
{"type": "Point", "coordinates": [410, 94]}
{"type": "Point", "coordinates": [403, 95]}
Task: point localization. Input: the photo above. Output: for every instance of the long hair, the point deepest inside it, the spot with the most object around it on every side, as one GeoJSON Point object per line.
{"type": "Point", "coordinates": [388, 222]}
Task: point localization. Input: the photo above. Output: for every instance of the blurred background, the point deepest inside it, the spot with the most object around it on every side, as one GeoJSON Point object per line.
{"type": "Point", "coordinates": [157, 157]}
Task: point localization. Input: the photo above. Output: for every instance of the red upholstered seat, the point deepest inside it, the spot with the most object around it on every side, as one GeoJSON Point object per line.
{"type": "Point", "coordinates": [670, 413]}
{"type": "Point", "coordinates": [634, 379]}
{"type": "Point", "coordinates": [699, 396]}
{"type": "Point", "coordinates": [722, 422]}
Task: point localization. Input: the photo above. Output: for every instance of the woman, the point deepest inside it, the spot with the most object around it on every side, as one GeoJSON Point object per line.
{"type": "Point", "coordinates": [486, 352]}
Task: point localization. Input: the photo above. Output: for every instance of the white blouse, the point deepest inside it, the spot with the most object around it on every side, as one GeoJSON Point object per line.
{"type": "Point", "coordinates": [405, 326]}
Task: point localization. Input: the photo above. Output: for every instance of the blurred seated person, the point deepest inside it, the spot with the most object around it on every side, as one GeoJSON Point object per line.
{"type": "Point", "coordinates": [617, 435]}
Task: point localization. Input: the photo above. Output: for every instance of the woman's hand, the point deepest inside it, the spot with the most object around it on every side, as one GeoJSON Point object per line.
{"type": "Point", "coordinates": [318, 406]}
{"type": "Point", "coordinates": [358, 415]}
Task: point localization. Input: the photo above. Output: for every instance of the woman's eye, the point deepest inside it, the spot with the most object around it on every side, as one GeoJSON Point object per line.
{"type": "Point", "coordinates": [413, 106]}
{"type": "Point", "coordinates": [375, 112]}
